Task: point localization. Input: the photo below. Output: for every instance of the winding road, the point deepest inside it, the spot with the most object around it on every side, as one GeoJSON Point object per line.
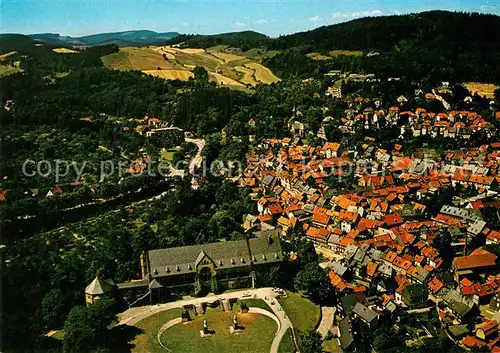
{"type": "Point", "coordinates": [197, 159]}
{"type": "Point", "coordinates": [134, 315]}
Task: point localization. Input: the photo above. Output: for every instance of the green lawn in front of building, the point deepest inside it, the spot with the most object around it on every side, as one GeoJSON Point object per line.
{"type": "Point", "coordinates": [147, 342]}
{"type": "Point", "coordinates": [256, 338]}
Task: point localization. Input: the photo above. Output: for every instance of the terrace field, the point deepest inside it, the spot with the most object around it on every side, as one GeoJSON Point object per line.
{"type": "Point", "coordinates": [262, 73]}
{"type": "Point", "coordinates": [234, 70]}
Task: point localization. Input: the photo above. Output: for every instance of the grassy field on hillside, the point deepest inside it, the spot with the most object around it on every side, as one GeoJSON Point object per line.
{"type": "Point", "coordinates": [131, 58]}
{"type": "Point", "coordinates": [7, 70]}
{"type": "Point", "coordinates": [332, 53]}
{"type": "Point", "coordinates": [262, 73]}
{"type": "Point", "coordinates": [247, 75]}
{"type": "Point", "coordinates": [183, 75]}
{"type": "Point", "coordinates": [64, 51]}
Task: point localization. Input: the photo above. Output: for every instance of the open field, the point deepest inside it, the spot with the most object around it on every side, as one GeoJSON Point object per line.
{"type": "Point", "coordinates": [345, 52]}
{"type": "Point", "coordinates": [7, 70]}
{"type": "Point", "coordinates": [170, 63]}
{"type": "Point", "coordinates": [64, 51]}
{"type": "Point", "coordinates": [248, 75]}
{"type": "Point", "coordinates": [259, 54]}
{"type": "Point", "coordinates": [332, 53]}
{"type": "Point", "coordinates": [483, 89]}
{"type": "Point", "coordinates": [256, 337]}
{"type": "Point", "coordinates": [227, 57]}
{"type": "Point", "coordinates": [147, 342]}
{"type": "Point", "coordinates": [303, 313]}
{"type": "Point", "coordinates": [131, 58]}
{"type": "Point", "coordinates": [183, 75]}
{"type": "Point", "coordinates": [223, 80]}
{"type": "Point", "coordinates": [262, 73]}
{"type": "Point", "coordinates": [192, 51]}
{"type": "Point", "coordinates": [218, 48]}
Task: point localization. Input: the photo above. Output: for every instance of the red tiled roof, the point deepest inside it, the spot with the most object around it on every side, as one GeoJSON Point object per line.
{"type": "Point", "coordinates": [474, 261]}
{"type": "Point", "coordinates": [465, 282]}
{"type": "Point", "coordinates": [371, 268]}
{"type": "Point", "coordinates": [320, 218]}
{"type": "Point", "coordinates": [393, 219]}
{"type": "Point", "coordinates": [435, 285]}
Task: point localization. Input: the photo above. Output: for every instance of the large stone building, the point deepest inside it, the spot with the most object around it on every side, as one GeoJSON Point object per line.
{"type": "Point", "coordinates": [231, 264]}
{"type": "Point", "coordinates": [190, 269]}
{"type": "Point", "coordinates": [171, 136]}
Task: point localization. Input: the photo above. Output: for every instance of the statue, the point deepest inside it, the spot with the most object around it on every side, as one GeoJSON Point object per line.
{"type": "Point", "coordinates": [205, 326]}
{"type": "Point", "coordinates": [235, 322]}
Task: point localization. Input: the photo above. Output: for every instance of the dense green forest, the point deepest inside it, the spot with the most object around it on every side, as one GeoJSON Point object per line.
{"type": "Point", "coordinates": [243, 40]}
{"type": "Point", "coordinates": [439, 45]}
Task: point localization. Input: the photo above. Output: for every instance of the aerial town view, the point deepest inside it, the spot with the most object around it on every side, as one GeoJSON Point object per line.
{"type": "Point", "coordinates": [249, 176]}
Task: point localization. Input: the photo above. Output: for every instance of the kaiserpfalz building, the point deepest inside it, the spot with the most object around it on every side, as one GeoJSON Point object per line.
{"type": "Point", "coordinates": [190, 269]}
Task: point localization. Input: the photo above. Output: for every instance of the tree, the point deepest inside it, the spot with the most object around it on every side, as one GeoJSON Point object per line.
{"type": "Point", "coordinates": [385, 337]}
{"type": "Point", "coordinates": [310, 342]}
{"type": "Point", "coordinates": [497, 94]}
{"type": "Point", "coordinates": [442, 242]}
{"type": "Point", "coordinates": [200, 74]}
{"type": "Point", "coordinates": [53, 308]}
{"type": "Point", "coordinates": [306, 253]}
{"type": "Point", "coordinates": [313, 282]}
{"type": "Point", "coordinates": [86, 328]}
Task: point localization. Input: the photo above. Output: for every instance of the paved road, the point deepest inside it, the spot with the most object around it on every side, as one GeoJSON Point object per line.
{"type": "Point", "coordinates": [327, 315]}
{"type": "Point", "coordinates": [196, 160]}
{"type": "Point", "coordinates": [329, 254]}
{"type": "Point", "coordinates": [441, 99]}
{"type": "Point", "coordinates": [134, 315]}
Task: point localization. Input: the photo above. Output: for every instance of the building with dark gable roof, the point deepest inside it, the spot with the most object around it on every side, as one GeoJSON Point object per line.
{"type": "Point", "coordinates": [184, 269]}
{"type": "Point", "coordinates": [232, 264]}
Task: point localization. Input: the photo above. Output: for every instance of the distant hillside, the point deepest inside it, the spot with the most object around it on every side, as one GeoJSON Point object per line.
{"type": "Point", "coordinates": [128, 38]}
{"type": "Point", "coordinates": [436, 45]}
{"type": "Point", "coordinates": [436, 29]}
{"type": "Point", "coordinates": [14, 42]}
{"type": "Point", "coordinates": [243, 40]}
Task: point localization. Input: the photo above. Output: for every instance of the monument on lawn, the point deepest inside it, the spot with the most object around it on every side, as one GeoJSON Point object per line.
{"type": "Point", "coordinates": [235, 322]}
{"type": "Point", "coordinates": [185, 315]}
{"type": "Point", "coordinates": [205, 332]}
{"type": "Point", "coordinates": [235, 328]}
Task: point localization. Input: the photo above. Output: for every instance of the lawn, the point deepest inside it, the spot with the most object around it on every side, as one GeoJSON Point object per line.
{"type": "Point", "coordinates": [147, 342]}
{"type": "Point", "coordinates": [256, 338]}
{"type": "Point", "coordinates": [303, 313]}
{"type": "Point", "coordinates": [257, 303]}
{"type": "Point", "coordinates": [331, 346]}
{"type": "Point", "coordinates": [286, 344]}
{"type": "Point", "coordinates": [167, 155]}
